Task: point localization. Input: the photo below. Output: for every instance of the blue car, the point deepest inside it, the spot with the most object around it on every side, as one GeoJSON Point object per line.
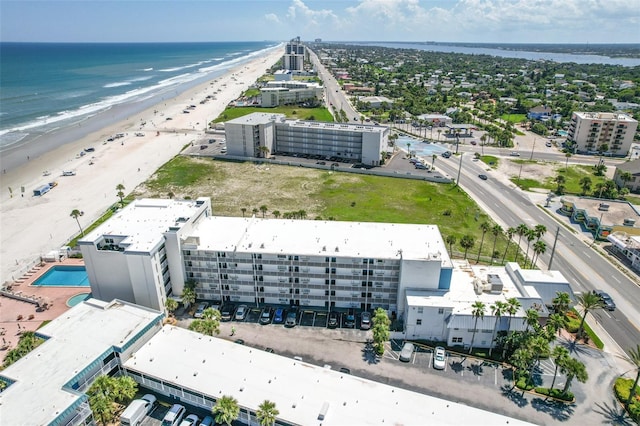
{"type": "Point", "coordinates": [278, 317]}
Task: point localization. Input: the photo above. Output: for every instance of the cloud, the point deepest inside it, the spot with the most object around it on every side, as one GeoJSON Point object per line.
{"type": "Point", "coordinates": [272, 17]}
{"type": "Point", "coordinates": [305, 17]}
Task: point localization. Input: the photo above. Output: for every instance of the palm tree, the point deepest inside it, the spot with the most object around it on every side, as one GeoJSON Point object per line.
{"type": "Point", "coordinates": [497, 309]}
{"type": "Point", "coordinates": [226, 410]}
{"type": "Point", "coordinates": [433, 160]}
{"type": "Point", "coordinates": [625, 177]}
{"type": "Point", "coordinates": [409, 149]}
{"type": "Point", "coordinates": [588, 301]}
{"type": "Point", "coordinates": [531, 235]}
{"type": "Point", "coordinates": [451, 240]}
{"type": "Point", "coordinates": [560, 355]}
{"type": "Point", "coordinates": [538, 346]}
{"type": "Point", "coordinates": [513, 306]}
{"type": "Point", "coordinates": [263, 209]}
{"type": "Point", "coordinates": [484, 226]}
{"type": "Point", "coordinates": [439, 131]}
{"type": "Point", "coordinates": [276, 213]}
{"type": "Point", "coordinates": [243, 210]}
{"type": "Point", "coordinates": [75, 213]}
{"type": "Point", "coordinates": [483, 140]}
{"type": "Point", "coordinates": [573, 368]}
{"type": "Point", "coordinates": [477, 311]}
{"type": "Point", "coordinates": [585, 184]}
{"type": "Point", "coordinates": [633, 358]}
{"type": "Point", "coordinates": [521, 230]}
{"type": "Point", "coordinates": [466, 243]}
{"type": "Point", "coordinates": [255, 211]}
{"type": "Point", "coordinates": [560, 181]}
{"type": "Point", "coordinates": [171, 305]}
{"type": "Point", "coordinates": [510, 232]}
{"type": "Point", "coordinates": [539, 247]}
{"type": "Point", "coordinates": [496, 230]}
{"type": "Point", "coordinates": [540, 230]}
{"type": "Point", "coordinates": [561, 302]}
{"type": "Point", "coordinates": [267, 413]}
{"type": "Point", "coordinates": [555, 323]}
{"type": "Point", "coordinates": [566, 164]}
{"type": "Point", "coordinates": [188, 297]}
{"type": "Point", "coordinates": [532, 319]}
{"type": "Point", "coordinates": [120, 189]}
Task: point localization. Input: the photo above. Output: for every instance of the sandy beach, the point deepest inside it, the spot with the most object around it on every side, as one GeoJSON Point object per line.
{"type": "Point", "coordinates": [32, 226]}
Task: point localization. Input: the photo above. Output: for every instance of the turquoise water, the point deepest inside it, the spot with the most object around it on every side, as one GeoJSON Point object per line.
{"type": "Point", "coordinates": [78, 298]}
{"type": "Point", "coordinates": [562, 132]}
{"type": "Point", "coordinates": [64, 276]}
{"type": "Point", "coordinates": [420, 148]}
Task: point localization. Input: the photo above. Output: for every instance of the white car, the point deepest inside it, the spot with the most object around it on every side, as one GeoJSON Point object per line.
{"type": "Point", "coordinates": [200, 310]}
{"type": "Point", "coordinates": [439, 358]}
{"type": "Point", "coordinates": [190, 420]}
{"type": "Point", "coordinates": [241, 312]}
{"type": "Point", "coordinates": [515, 154]}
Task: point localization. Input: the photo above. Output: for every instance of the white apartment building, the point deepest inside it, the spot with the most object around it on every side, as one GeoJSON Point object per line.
{"type": "Point", "coordinates": [290, 92]}
{"type": "Point", "coordinates": [294, 55]}
{"type": "Point", "coordinates": [136, 256]}
{"type": "Point", "coordinates": [48, 385]}
{"type": "Point", "coordinates": [610, 132]}
{"type": "Point", "coordinates": [249, 135]}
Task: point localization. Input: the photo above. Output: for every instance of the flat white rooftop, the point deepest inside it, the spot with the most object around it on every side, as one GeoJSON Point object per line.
{"type": "Point", "coordinates": [320, 238]}
{"type": "Point", "coordinates": [257, 118]}
{"type": "Point", "coordinates": [216, 367]}
{"type": "Point", "coordinates": [144, 221]}
{"type": "Point", "coordinates": [76, 339]}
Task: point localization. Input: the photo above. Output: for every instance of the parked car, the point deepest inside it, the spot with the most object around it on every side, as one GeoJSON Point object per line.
{"type": "Point", "coordinates": [137, 410]}
{"type": "Point", "coordinates": [226, 312]}
{"type": "Point", "coordinates": [439, 358]}
{"type": "Point", "coordinates": [190, 420]}
{"type": "Point", "coordinates": [278, 316]}
{"type": "Point", "coordinates": [421, 166]}
{"type": "Point", "coordinates": [365, 321]}
{"type": "Point", "coordinates": [291, 318]}
{"type": "Point", "coordinates": [265, 316]}
{"type": "Point", "coordinates": [515, 154]}
{"type": "Point", "coordinates": [333, 320]}
{"type": "Point", "coordinates": [174, 415]}
{"type": "Point", "coordinates": [483, 177]}
{"type": "Point", "coordinates": [207, 421]}
{"type": "Point", "coordinates": [607, 301]}
{"type": "Point", "coordinates": [241, 312]}
{"type": "Point", "coordinates": [406, 352]}
{"type": "Point", "coordinates": [350, 320]}
{"type": "Point", "coordinates": [200, 309]}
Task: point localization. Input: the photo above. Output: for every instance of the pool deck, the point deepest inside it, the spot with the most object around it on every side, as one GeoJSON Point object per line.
{"type": "Point", "coordinates": [32, 316]}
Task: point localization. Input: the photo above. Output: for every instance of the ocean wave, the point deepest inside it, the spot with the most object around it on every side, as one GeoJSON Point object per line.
{"type": "Point", "coordinates": [147, 69]}
{"type": "Point", "coordinates": [184, 67]}
{"type": "Point", "coordinates": [118, 84]}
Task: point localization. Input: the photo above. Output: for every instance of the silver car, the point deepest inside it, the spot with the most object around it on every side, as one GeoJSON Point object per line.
{"type": "Point", "coordinates": [406, 352]}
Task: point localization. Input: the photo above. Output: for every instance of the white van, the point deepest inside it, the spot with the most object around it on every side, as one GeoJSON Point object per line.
{"type": "Point", "coordinates": [137, 410]}
{"type": "Point", "coordinates": [174, 415]}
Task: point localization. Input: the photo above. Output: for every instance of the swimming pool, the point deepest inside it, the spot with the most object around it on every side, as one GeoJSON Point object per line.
{"type": "Point", "coordinates": [78, 298]}
{"type": "Point", "coordinates": [420, 148]}
{"type": "Point", "coordinates": [64, 276]}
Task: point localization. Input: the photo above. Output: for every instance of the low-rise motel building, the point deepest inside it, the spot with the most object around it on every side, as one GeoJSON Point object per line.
{"type": "Point", "coordinates": [48, 385]}
{"type": "Point", "coordinates": [149, 250]}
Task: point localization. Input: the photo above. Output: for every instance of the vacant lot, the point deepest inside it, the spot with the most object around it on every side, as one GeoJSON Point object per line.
{"type": "Point", "coordinates": [237, 186]}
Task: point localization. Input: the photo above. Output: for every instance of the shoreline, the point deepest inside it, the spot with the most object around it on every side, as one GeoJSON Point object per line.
{"type": "Point", "coordinates": [31, 226]}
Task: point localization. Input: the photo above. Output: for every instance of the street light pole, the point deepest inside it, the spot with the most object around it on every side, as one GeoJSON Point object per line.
{"type": "Point", "coordinates": [459, 169]}
{"type": "Point", "coordinates": [534, 147]}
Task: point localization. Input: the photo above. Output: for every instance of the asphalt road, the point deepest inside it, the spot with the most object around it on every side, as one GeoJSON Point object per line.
{"type": "Point", "coordinates": [584, 267]}
{"type": "Point", "coordinates": [332, 91]}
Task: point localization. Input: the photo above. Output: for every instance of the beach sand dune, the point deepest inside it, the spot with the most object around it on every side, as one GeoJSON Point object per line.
{"type": "Point", "coordinates": [32, 226]}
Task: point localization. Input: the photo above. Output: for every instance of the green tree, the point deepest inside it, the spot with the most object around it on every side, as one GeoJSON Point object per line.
{"type": "Point", "coordinates": [276, 213]}
{"type": "Point", "coordinates": [484, 226]}
{"type": "Point", "coordinates": [433, 160]}
{"type": "Point", "coordinates": [188, 296]}
{"type": "Point", "coordinates": [538, 346]}
{"type": "Point", "coordinates": [477, 311]}
{"type": "Point", "coordinates": [560, 355]}
{"type": "Point", "coordinates": [255, 211]}
{"type": "Point", "coordinates": [209, 324]}
{"type": "Point", "coordinates": [510, 233]}
{"type": "Point", "coordinates": [531, 235]}
{"type": "Point", "coordinates": [120, 189]}
{"type": "Point", "coordinates": [555, 323]}
{"type": "Point", "coordinates": [573, 368]}
{"type": "Point", "coordinates": [625, 177]}
{"type": "Point", "coordinates": [634, 358]}
{"type": "Point", "coordinates": [521, 230]}
{"type": "Point", "coordinates": [105, 391]}
{"type": "Point", "coordinates": [561, 302]}
{"type": "Point", "coordinates": [497, 309]}
{"type": "Point", "coordinates": [226, 410]}
{"type": "Point", "coordinates": [263, 209]}
{"type": "Point", "coordinates": [243, 210]}
{"type": "Point", "coordinates": [539, 247]}
{"type": "Point", "coordinates": [585, 184]}
{"type": "Point", "coordinates": [566, 164]}
{"type": "Point", "coordinates": [466, 243]}
{"type": "Point", "coordinates": [267, 413]}
{"type": "Point", "coordinates": [560, 181]}
{"type": "Point", "coordinates": [588, 301]}
{"type": "Point", "coordinates": [171, 305]}
{"type": "Point", "coordinates": [496, 230]}
{"type": "Point", "coordinates": [451, 240]}
{"type": "Point", "coordinates": [381, 323]}
{"type": "Point", "coordinates": [75, 213]}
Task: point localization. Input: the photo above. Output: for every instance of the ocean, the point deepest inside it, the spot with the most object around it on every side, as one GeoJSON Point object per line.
{"type": "Point", "coordinates": [48, 86]}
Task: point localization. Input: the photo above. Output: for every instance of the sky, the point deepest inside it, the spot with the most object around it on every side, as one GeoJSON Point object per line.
{"type": "Point", "coordinates": [481, 21]}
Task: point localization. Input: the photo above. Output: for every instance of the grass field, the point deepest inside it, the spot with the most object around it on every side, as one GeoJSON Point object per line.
{"type": "Point", "coordinates": [234, 186]}
{"type": "Point", "coordinates": [572, 174]}
{"type": "Point", "coordinates": [317, 114]}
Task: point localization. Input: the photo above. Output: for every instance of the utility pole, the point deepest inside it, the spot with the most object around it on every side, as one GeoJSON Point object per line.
{"type": "Point", "coordinates": [553, 250]}
{"type": "Point", "coordinates": [459, 169]}
{"type": "Point", "coordinates": [534, 147]}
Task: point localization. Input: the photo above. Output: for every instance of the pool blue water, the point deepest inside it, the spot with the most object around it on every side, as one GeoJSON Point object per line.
{"type": "Point", "coordinates": [563, 132]}
{"type": "Point", "coordinates": [421, 148]}
{"type": "Point", "coordinates": [78, 298]}
{"type": "Point", "coordinates": [64, 276]}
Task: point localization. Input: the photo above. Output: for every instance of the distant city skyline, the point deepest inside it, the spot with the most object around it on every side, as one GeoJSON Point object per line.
{"type": "Point", "coordinates": [481, 21]}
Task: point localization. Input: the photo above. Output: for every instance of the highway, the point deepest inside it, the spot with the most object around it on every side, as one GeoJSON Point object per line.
{"type": "Point", "coordinates": [583, 267]}
{"type": "Point", "coordinates": [333, 94]}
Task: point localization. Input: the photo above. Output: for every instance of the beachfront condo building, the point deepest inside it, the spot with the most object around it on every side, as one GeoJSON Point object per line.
{"type": "Point", "coordinates": [608, 132]}
{"type": "Point", "coordinates": [260, 134]}
{"type": "Point", "coordinates": [290, 93]}
{"type": "Point", "coordinates": [294, 52]}
{"type": "Point", "coordinates": [321, 265]}
{"type": "Point", "coordinates": [136, 255]}
{"type": "Point", "coordinates": [49, 385]}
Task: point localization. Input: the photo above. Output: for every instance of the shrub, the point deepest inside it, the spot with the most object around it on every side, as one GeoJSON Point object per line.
{"type": "Point", "coordinates": [622, 388]}
{"type": "Point", "coordinates": [556, 393]}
